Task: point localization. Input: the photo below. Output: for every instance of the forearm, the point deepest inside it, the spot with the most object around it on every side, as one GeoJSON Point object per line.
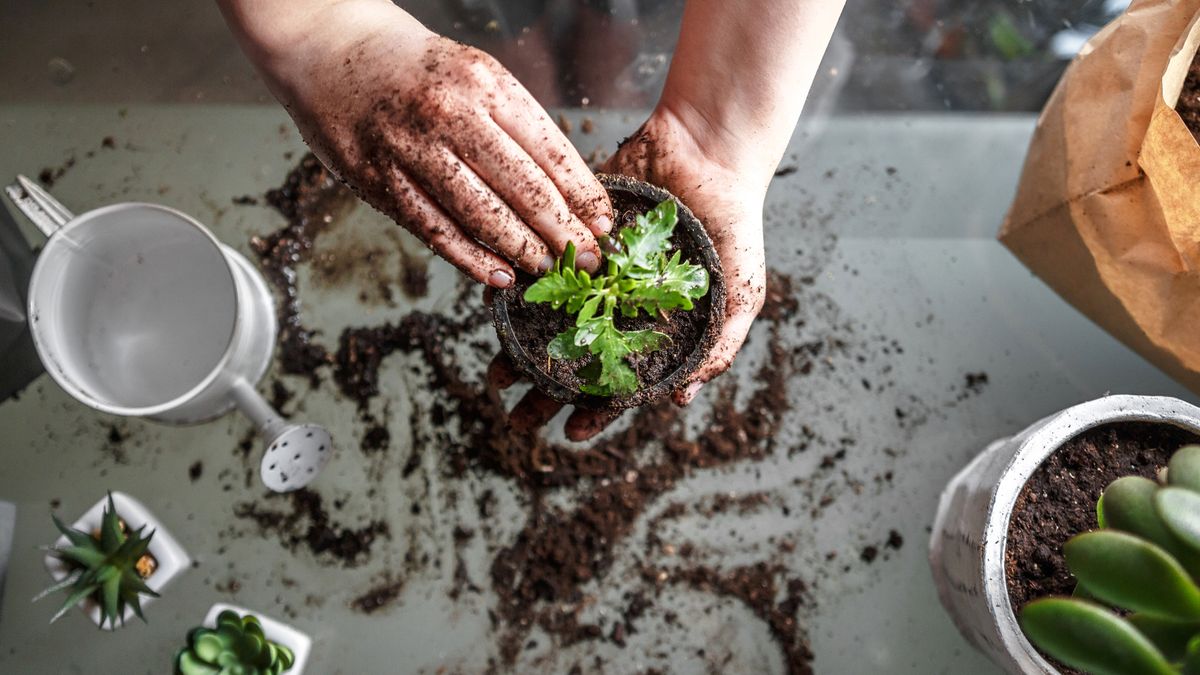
{"type": "Point", "coordinates": [741, 74]}
{"type": "Point", "coordinates": [271, 32]}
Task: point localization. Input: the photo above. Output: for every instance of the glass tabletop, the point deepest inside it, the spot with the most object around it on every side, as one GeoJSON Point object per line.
{"type": "Point", "coordinates": [778, 524]}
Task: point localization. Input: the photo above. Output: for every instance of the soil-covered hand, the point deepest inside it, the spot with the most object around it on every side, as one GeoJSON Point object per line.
{"type": "Point", "coordinates": [727, 200]}
{"type": "Point", "coordinates": [436, 135]}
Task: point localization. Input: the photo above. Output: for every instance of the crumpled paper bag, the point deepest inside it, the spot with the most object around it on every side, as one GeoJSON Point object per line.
{"type": "Point", "coordinates": [1108, 208]}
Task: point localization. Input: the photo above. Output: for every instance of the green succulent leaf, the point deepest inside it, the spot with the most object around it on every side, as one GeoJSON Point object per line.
{"type": "Point", "coordinates": [1128, 504]}
{"type": "Point", "coordinates": [1180, 510]}
{"type": "Point", "coordinates": [1091, 638]}
{"type": "Point", "coordinates": [103, 567]}
{"type": "Point", "coordinates": [1132, 573]}
{"type": "Point", "coordinates": [237, 645]}
{"type": "Point", "coordinates": [1184, 468]}
{"type": "Point", "coordinates": [1170, 637]}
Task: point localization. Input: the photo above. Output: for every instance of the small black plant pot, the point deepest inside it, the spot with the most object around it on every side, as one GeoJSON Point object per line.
{"type": "Point", "coordinates": [526, 328]}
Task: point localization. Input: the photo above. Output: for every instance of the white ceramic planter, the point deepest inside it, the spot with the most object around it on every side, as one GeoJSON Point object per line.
{"type": "Point", "coordinates": [966, 549]}
{"type": "Point", "coordinates": [172, 559]}
{"type": "Point", "coordinates": [299, 643]}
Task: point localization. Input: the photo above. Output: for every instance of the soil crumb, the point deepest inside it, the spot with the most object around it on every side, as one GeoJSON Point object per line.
{"type": "Point", "coordinates": [301, 521]}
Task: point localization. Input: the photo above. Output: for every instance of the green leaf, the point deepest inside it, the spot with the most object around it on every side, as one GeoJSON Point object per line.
{"type": "Point", "coordinates": [1128, 504]}
{"type": "Point", "coordinates": [1091, 638]}
{"type": "Point", "coordinates": [639, 341]}
{"type": "Point", "coordinates": [588, 310]}
{"type": "Point", "coordinates": [1191, 662]}
{"type": "Point", "coordinates": [76, 537]}
{"type": "Point", "coordinates": [1129, 572]}
{"type": "Point", "coordinates": [1184, 468]}
{"type": "Point", "coordinates": [567, 261]}
{"type": "Point", "coordinates": [1170, 637]}
{"type": "Point", "coordinates": [1180, 510]}
{"type": "Point", "coordinates": [557, 288]}
{"type": "Point", "coordinates": [642, 246]}
{"type": "Point", "coordinates": [111, 536]}
{"type": "Point", "coordinates": [563, 347]}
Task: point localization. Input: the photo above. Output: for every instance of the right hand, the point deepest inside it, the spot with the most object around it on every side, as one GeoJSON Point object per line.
{"type": "Point", "coordinates": [439, 136]}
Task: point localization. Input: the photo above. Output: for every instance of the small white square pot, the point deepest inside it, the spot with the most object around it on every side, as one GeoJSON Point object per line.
{"type": "Point", "coordinates": [278, 632]}
{"type": "Point", "coordinates": [172, 559]}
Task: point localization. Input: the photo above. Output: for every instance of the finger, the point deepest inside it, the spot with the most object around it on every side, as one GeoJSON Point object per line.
{"type": "Point", "coordinates": [520, 116]}
{"type": "Point", "coordinates": [583, 423]}
{"type": "Point", "coordinates": [533, 411]}
{"type": "Point", "coordinates": [416, 211]}
{"type": "Point", "coordinates": [744, 268]}
{"type": "Point", "coordinates": [501, 373]}
{"type": "Point", "coordinates": [733, 335]}
{"type": "Point", "coordinates": [520, 182]}
{"type": "Point", "coordinates": [478, 210]}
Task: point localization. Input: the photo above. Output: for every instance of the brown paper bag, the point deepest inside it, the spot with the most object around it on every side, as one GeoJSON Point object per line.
{"type": "Point", "coordinates": [1108, 208]}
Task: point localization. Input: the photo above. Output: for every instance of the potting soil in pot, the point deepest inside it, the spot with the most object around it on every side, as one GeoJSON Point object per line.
{"type": "Point", "coordinates": [1188, 105]}
{"type": "Point", "coordinates": [1059, 501]}
{"type": "Point", "coordinates": [536, 324]}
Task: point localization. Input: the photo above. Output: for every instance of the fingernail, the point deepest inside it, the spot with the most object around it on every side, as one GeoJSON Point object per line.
{"type": "Point", "coordinates": [545, 264]}
{"type": "Point", "coordinates": [691, 391]}
{"type": "Point", "coordinates": [603, 224]}
{"type": "Point", "coordinates": [500, 279]}
{"type": "Point", "coordinates": [588, 261]}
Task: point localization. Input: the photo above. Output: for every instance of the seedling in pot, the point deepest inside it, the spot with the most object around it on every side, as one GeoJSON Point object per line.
{"type": "Point", "coordinates": [236, 645]}
{"type": "Point", "coordinates": [636, 276]}
{"type": "Point", "coordinates": [109, 566]}
{"type": "Point", "coordinates": [1136, 606]}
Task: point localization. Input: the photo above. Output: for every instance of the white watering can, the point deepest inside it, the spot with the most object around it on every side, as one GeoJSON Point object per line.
{"type": "Point", "coordinates": [137, 310]}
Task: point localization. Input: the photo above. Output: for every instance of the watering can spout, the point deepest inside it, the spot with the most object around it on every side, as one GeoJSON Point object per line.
{"type": "Point", "coordinates": [44, 210]}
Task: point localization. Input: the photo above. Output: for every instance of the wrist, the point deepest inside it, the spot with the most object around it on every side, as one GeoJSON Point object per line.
{"type": "Point", "coordinates": [743, 161]}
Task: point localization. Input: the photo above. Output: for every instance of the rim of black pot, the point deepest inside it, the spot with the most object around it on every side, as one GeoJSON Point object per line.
{"type": "Point", "coordinates": [688, 226]}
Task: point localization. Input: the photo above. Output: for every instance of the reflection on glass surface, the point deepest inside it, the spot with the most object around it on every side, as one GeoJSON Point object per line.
{"type": "Point", "coordinates": [984, 55]}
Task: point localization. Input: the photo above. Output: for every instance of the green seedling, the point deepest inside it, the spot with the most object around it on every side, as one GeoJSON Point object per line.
{"type": "Point", "coordinates": [103, 568]}
{"type": "Point", "coordinates": [1136, 606]}
{"type": "Point", "coordinates": [236, 645]}
{"type": "Point", "coordinates": [637, 276]}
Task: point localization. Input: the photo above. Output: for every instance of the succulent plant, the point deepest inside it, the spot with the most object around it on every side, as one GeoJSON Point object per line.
{"type": "Point", "coordinates": [1136, 605]}
{"type": "Point", "coordinates": [104, 566]}
{"type": "Point", "coordinates": [237, 646]}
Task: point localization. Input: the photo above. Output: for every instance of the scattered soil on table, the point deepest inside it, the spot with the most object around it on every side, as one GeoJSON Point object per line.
{"type": "Point", "coordinates": [583, 501]}
{"type": "Point", "coordinates": [301, 521]}
{"type": "Point", "coordinates": [757, 587]}
{"type": "Point", "coordinates": [536, 324]}
{"type": "Point", "coordinates": [310, 199]}
{"type": "Point", "coordinates": [376, 439]}
{"type": "Point", "coordinates": [1059, 501]}
{"type": "Point", "coordinates": [1188, 105]}
{"type": "Point", "coordinates": [378, 597]}
{"type": "Point", "coordinates": [195, 471]}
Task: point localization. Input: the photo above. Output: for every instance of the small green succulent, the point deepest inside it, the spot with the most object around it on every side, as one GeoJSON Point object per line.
{"type": "Point", "coordinates": [237, 646]}
{"type": "Point", "coordinates": [103, 567]}
{"type": "Point", "coordinates": [1136, 606]}
{"type": "Point", "coordinates": [638, 275]}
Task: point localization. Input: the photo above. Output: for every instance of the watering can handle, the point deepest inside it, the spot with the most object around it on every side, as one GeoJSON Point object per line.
{"type": "Point", "coordinates": [45, 211]}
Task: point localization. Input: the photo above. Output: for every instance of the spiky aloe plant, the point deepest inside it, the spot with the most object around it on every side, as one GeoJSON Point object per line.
{"type": "Point", "coordinates": [103, 567]}
{"type": "Point", "coordinates": [236, 646]}
{"type": "Point", "coordinates": [1136, 606]}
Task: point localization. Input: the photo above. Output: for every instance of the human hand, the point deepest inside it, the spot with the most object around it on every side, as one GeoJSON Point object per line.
{"type": "Point", "coordinates": [725, 189]}
{"type": "Point", "coordinates": [433, 133]}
